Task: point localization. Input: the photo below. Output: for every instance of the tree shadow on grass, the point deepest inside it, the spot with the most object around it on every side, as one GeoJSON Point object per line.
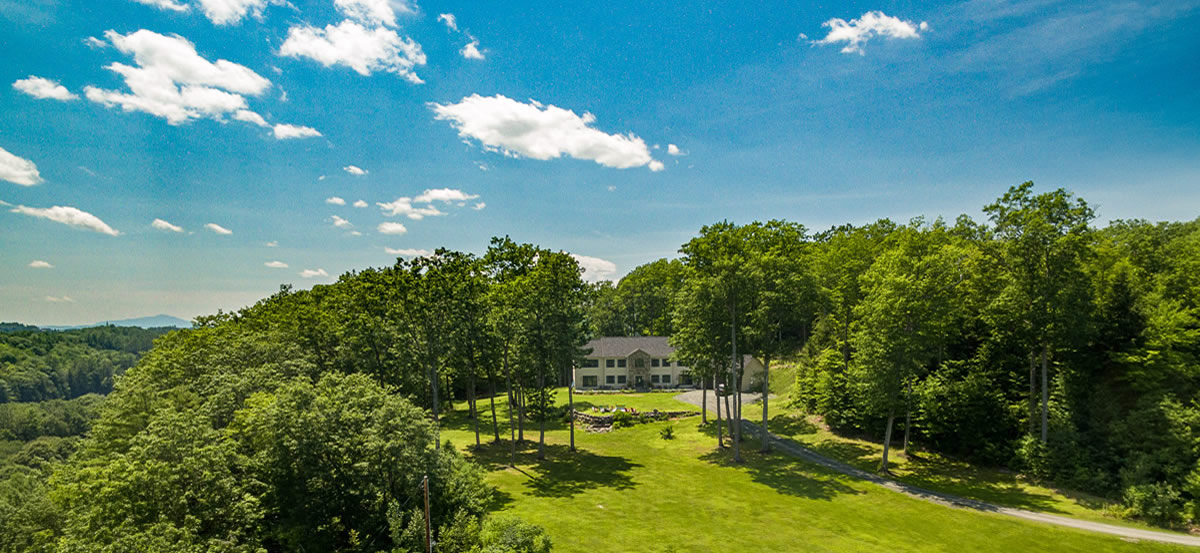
{"type": "Point", "coordinates": [785, 474]}
{"type": "Point", "coordinates": [563, 473]}
{"type": "Point", "coordinates": [791, 425]}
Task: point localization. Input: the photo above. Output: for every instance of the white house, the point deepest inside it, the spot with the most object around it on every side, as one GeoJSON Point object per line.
{"type": "Point", "coordinates": [641, 362]}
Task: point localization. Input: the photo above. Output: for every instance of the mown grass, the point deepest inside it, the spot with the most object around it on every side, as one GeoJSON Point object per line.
{"type": "Point", "coordinates": [939, 473]}
{"type": "Point", "coordinates": [631, 490]}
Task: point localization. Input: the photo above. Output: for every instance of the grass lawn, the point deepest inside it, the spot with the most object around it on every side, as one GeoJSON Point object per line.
{"type": "Point", "coordinates": [935, 472]}
{"type": "Point", "coordinates": [631, 490]}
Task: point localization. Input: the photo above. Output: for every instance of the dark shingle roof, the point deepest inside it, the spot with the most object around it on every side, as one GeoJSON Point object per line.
{"type": "Point", "coordinates": [620, 346]}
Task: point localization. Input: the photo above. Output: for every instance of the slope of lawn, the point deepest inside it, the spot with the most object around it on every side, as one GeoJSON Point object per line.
{"type": "Point", "coordinates": [935, 472]}
{"type": "Point", "coordinates": [632, 490]}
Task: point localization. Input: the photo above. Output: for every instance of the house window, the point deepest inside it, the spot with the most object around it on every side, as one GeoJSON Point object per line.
{"type": "Point", "coordinates": [610, 379]}
{"type": "Point", "coordinates": [654, 362]}
{"type": "Point", "coordinates": [685, 379]}
{"type": "Point", "coordinates": [609, 363]}
{"type": "Point", "coordinates": [589, 381]}
{"type": "Point", "coordinates": [666, 362]}
{"type": "Point", "coordinates": [620, 379]}
{"type": "Point", "coordinates": [621, 363]}
{"type": "Point", "coordinates": [666, 379]}
{"type": "Point", "coordinates": [591, 363]}
{"type": "Point", "coordinates": [654, 379]}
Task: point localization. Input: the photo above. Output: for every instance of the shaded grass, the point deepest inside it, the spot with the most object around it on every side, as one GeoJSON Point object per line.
{"type": "Point", "coordinates": [630, 490]}
{"type": "Point", "coordinates": [938, 473]}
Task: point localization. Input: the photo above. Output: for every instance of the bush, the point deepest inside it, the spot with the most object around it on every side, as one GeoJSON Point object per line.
{"type": "Point", "coordinates": [667, 433]}
{"type": "Point", "coordinates": [622, 419]}
{"type": "Point", "coordinates": [1158, 503]}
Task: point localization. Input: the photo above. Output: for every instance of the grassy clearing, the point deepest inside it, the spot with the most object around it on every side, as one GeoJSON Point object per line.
{"type": "Point", "coordinates": [935, 472]}
{"type": "Point", "coordinates": [630, 490]}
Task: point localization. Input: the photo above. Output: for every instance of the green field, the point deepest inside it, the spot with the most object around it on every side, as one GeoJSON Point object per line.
{"type": "Point", "coordinates": [631, 490]}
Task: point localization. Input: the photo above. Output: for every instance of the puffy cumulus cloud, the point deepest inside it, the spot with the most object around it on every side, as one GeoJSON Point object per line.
{"type": "Point", "coordinates": [656, 166]}
{"type": "Point", "coordinates": [276, 265]}
{"type": "Point", "coordinates": [218, 229]}
{"type": "Point", "coordinates": [313, 273]}
{"type": "Point", "coordinates": [536, 131]}
{"type": "Point", "coordinates": [674, 150]}
{"type": "Point", "coordinates": [220, 12]}
{"type": "Point", "coordinates": [174, 82]}
{"type": "Point", "coordinates": [250, 117]}
{"type": "Point", "coordinates": [360, 204]}
{"type": "Point", "coordinates": [164, 225]}
{"type": "Point", "coordinates": [39, 264]}
{"type": "Point", "coordinates": [389, 227]}
{"type": "Point", "coordinates": [379, 12]}
{"type": "Point", "coordinates": [594, 268]}
{"type": "Point", "coordinates": [450, 21]}
{"type": "Point", "coordinates": [471, 51]}
{"type": "Point", "coordinates": [284, 131]}
{"type": "Point", "coordinates": [479, 206]}
{"type": "Point", "coordinates": [340, 222]}
{"type": "Point", "coordinates": [18, 170]}
{"type": "Point", "coordinates": [365, 50]}
{"type": "Point", "coordinates": [334, 200]}
{"type": "Point", "coordinates": [856, 32]}
{"type": "Point", "coordinates": [353, 170]}
{"type": "Point", "coordinates": [44, 89]}
{"type": "Point", "coordinates": [68, 216]}
{"type": "Point", "coordinates": [403, 206]}
{"type": "Point", "coordinates": [446, 195]}
{"type": "Point", "coordinates": [408, 252]}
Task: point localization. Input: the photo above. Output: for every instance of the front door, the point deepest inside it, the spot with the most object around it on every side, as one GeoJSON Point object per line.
{"type": "Point", "coordinates": [639, 382]}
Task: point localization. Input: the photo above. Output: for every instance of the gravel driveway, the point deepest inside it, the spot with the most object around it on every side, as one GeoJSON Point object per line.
{"type": "Point", "coordinates": [695, 397]}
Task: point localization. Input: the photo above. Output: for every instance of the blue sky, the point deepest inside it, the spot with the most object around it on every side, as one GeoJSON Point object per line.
{"type": "Point", "coordinates": [246, 114]}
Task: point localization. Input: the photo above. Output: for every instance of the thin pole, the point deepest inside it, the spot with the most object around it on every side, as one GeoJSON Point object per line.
{"type": "Point", "coordinates": [428, 543]}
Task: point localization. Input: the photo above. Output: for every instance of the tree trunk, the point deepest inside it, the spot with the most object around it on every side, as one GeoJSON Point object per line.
{"type": "Point", "coordinates": [703, 401]}
{"type": "Point", "coordinates": [571, 409]}
{"type": "Point", "coordinates": [729, 414]}
{"type": "Point", "coordinates": [1045, 393]}
{"type": "Point", "coordinates": [492, 398]}
{"type": "Point", "coordinates": [433, 383]}
{"type": "Point", "coordinates": [471, 401]}
{"type": "Point", "coordinates": [520, 412]}
{"type": "Point", "coordinates": [717, 400]}
{"type": "Point", "coordinates": [542, 414]}
{"type": "Point", "coordinates": [907, 414]}
{"type": "Point", "coordinates": [887, 440]}
{"type": "Point", "coordinates": [512, 428]}
{"type": "Point", "coordinates": [766, 436]}
{"type": "Point", "coordinates": [737, 399]}
{"type": "Point", "coordinates": [1032, 394]}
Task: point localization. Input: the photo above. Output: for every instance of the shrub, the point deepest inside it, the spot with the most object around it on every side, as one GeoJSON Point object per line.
{"type": "Point", "coordinates": [667, 433]}
{"type": "Point", "coordinates": [622, 419]}
{"type": "Point", "coordinates": [1159, 503]}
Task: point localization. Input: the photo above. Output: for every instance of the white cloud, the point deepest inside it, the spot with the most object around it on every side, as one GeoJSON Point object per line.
{"type": "Point", "coordinates": [450, 21]}
{"type": "Point", "coordinates": [250, 117]}
{"type": "Point", "coordinates": [163, 225]}
{"type": "Point", "coordinates": [68, 216]}
{"type": "Point", "coordinates": [276, 264]}
{"type": "Point", "coordinates": [284, 131]}
{"type": "Point", "coordinates": [44, 89]}
{"type": "Point", "coordinates": [471, 51]}
{"type": "Point", "coordinates": [218, 229]}
{"type": "Point", "coordinates": [357, 47]}
{"type": "Point", "coordinates": [478, 206]}
{"type": "Point", "coordinates": [391, 228]}
{"type": "Point", "coordinates": [594, 268]}
{"type": "Point", "coordinates": [313, 273]}
{"type": "Point", "coordinates": [272, 244]}
{"type": "Point", "coordinates": [174, 82]}
{"type": "Point", "coordinates": [446, 195]}
{"type": "Point", "coordinates": [356, 171]}
{"type": "Point", "coordinates": [355, 233]}
{"type": "Point", "coordinates": [656, 166]}
{"type": "Point", "coordinates": [39, 264]}
{"type": "Point", "coordinates": [674, 150]}
{"type": "Point", "coordinates": [532, 130]}
{"type": "Point", "coordinates": [165, 5]}
{"type": "Point", "coordinates": [403, 206]}
{"type": "Point", "coordinates": [857, 32]}
{"type": "Point", "coordinates": [18, 170]}
{"type": "Point", "coordinates": [408, 252]}
{"type": "Point", "coordinates": [62, 299]}
{"type": "Point", "coordinates": [340, 222]}
{"type": "Point", "coordinates": [95, 43]}
{"type": "Point", "coordinates": [334, 200]}
{"type": "Point", "coordinates": [379, 12]}
{"type": "Point", "coordinates": [360, 204]}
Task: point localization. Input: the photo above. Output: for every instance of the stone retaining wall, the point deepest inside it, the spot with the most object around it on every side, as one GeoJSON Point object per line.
{"type": "Point", "coordinates": [603, 423]}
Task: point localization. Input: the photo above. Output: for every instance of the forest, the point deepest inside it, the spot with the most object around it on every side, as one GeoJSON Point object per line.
{"type": "Point", "coordinates": [1033, 340]}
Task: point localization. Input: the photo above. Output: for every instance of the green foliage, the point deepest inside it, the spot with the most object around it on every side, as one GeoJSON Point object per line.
{"type": "Point", "coordinates": [667, 433]}
{"type": "Point", "coordinates": [40, 366]}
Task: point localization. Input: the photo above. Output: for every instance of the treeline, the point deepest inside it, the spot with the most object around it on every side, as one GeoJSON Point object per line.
{"type": "Point", "coordinates": [308, 421]}
{"type": "Point", "coordinates": [38, 365]}
{"type": "Point", "coordinates": [1032, 340]}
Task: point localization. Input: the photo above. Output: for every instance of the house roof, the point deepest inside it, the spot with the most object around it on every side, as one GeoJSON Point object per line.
{"type": "Point", "coordinates": [622, 346]}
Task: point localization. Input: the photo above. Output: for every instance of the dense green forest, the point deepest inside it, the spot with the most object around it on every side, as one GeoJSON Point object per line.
{"type": "Point", "coordinates": [1032, 340]}
{"type": "Point", "coordinates": [43, 365]}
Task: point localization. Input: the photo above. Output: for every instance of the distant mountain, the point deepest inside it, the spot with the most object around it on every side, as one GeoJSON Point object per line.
{"type": "Point", "coordinates": [156, 321]}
